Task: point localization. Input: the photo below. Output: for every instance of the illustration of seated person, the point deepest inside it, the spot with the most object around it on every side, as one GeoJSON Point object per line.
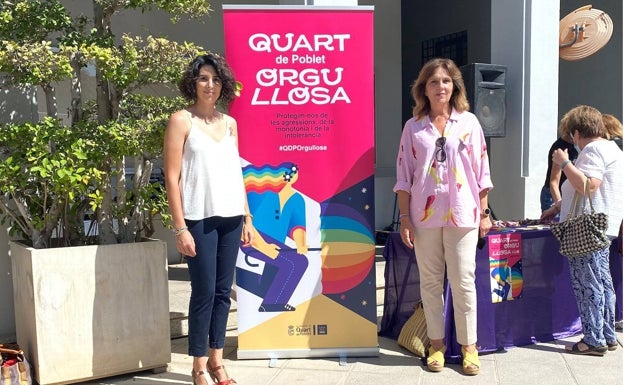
{"type": "Point", "coordinates": [502, 276]}
{"type": "Point", "coordinates": [278, 213]}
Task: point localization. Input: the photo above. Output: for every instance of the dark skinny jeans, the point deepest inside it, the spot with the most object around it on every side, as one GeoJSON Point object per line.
{"type": "Point", "coordinates": [217, 241]}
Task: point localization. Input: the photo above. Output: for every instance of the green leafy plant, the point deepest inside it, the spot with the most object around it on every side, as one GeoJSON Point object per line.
{"type": "Point", "coordinates": [65, 181]}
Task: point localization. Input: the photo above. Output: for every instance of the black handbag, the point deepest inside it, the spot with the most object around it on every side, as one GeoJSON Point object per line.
{"type": "Point", "coordinates": [581, 233]}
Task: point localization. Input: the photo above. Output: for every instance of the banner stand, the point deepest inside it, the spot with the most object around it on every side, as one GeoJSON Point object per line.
{"type": "Point", "coordinates": [307, 353]}
{"type": "Point", "coordinates": [306, 286]}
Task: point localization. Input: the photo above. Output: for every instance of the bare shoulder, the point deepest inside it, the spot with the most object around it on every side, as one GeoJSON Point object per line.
{"type": "Point", "coordinates": [180, 116]}
{"type": "Point", "coordinates": [179, 120]}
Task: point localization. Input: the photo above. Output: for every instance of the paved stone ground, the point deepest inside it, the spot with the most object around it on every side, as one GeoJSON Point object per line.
{"type": "Point", "coordinates": [543, 363]}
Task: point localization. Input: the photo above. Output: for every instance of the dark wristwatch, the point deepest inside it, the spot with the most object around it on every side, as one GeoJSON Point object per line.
{"type": "Point", "coordinates": [486, 212]}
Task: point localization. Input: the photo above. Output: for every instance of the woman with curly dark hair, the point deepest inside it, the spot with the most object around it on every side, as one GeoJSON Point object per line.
{"type": "Point", "coordinates": [188, 83]}
{"type": "Point", "coordinates": [208, 206]}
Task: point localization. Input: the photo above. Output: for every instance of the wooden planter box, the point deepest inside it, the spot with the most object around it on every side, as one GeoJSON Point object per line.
{"type": "Point", "coordinates": [89, 312]}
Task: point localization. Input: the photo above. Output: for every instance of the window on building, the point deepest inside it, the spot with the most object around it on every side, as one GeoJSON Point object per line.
{"type": "Point", "coordinates": [453, 46]}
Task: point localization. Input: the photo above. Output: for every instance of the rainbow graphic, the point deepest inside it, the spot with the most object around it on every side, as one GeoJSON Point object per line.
{"type": "Point", "coordinates": [348, 250]}
{"type": "Point", "coordinates": [517, 282]}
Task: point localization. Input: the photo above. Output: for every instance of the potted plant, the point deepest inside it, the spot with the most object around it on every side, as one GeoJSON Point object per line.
{"type": "Point", "coordinates": [85, 279]}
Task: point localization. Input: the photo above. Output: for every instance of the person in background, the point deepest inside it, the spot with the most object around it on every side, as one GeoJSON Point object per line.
{"type": "Point", "coordinates": [551, 191]}
{"type": "Point", "coordinates": [208, 205]}
{"type": "Point", "coordinates": [599, 163]}
{"type": "Point", "coordinates": [443, 180]}
{"type": "Point", "coordinates": [613, 127]}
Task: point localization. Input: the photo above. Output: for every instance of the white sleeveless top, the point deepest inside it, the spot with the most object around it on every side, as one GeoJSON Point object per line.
{"type": "Point", "coordinates": [212, 180]}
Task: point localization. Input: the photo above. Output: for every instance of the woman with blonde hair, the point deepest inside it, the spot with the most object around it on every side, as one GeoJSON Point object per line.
{"type": "Point", "coordinates": [443, 178]}
{"type": "Point", "coordinates": [613, 128]}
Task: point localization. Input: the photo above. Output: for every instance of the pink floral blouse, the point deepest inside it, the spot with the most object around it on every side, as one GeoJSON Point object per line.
{"type": "Point", "coordinates": [444, 193]}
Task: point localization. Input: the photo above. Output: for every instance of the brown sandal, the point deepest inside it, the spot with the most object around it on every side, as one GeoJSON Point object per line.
{"type": "Point", "coordinates": [199, 374]}
{"type": "Point", "coordinates": [213, 374]}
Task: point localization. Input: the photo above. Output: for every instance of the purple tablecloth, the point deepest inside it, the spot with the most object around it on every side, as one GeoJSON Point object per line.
{"type": "Point", "coordinates": [546, 310]}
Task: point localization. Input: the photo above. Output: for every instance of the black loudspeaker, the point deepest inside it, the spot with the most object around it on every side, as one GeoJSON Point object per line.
{"type": "Point", "coordinates": [485, 88]}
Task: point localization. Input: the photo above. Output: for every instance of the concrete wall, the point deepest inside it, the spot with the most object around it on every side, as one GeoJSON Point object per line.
{"type": "Point", "coordinates": [525, 39]}
{"type": "Point", "coordinates": [16, 105]}
{"type": "Point", "coordinates": [388, 96]}
{"type": "Point", "coordinates": [7, 317]}
{"type": "Point", "coordinates": [421, 23]}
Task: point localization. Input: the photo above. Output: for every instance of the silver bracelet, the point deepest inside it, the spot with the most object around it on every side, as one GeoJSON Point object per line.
{"type": "Point", "coordinates": [178, 232]}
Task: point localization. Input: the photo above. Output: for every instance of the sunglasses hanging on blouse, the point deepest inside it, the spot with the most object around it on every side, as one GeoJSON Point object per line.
{"type": "Point", "coordinates": [440, 152]}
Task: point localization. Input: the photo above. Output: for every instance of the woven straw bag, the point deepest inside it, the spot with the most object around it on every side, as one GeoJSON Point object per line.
{"type": "Point", "coordinates": [581, 233]}
{"type": "Point", "coordinates": [413, 336]}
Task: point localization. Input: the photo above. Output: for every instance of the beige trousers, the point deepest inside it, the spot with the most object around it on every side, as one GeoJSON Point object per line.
{"type": "Point", "coordinates": [454, 249]}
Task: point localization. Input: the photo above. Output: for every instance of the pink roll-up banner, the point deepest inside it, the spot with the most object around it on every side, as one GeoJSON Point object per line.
{"type": "Point", "coordinates": [306, 286]}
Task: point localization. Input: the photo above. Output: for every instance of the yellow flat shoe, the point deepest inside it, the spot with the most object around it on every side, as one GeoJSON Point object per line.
{"type": "Point", "coordinates": [435, 359]}
{"type": "Point", "coordinates": [470, 362]}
